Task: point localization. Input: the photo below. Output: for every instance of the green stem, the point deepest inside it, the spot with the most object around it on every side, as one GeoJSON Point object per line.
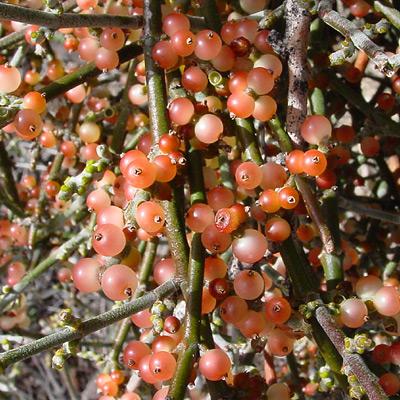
{"type": "Point", "coordinates": [226, 176]}
{"type": "Point", "coordinates": [67, 20]}
{"type": "Point", "coordinates": [301, 275]}
{"type": "Point", "coordinates": [66, 376]}
{"type": "Point", "coordinates": [294, 372]}
{"type": "Point", "coordinates": [146, 269]}
{"type": "Point", "coordinates": [119, 341]}
{"type": "Point", "coordinates": [318, 102]}
{"type": "Point", "coordinates": [19, 55]}
{"type": "Point", "coordinates": [283, 139]}
{"type": "Point", "coordinates": [186, 359]}
{"type": "Point", "coordinates": [211, 15]}
{"type": "Point", "coordinates": [62, 253]}
{"type": "Point", "coordinates": [91, 325]}
{"type": "Point", "coordinates": [387, 127]}
{"type": "Point", "coordinates": [248, 141]}
{"type": "Point", "coordinates": [134, 139]}
{"type": "Point", "coordinates": [195, 285]}
{"type": "Point", "coordinates": [196, 179]}
{"type": "Point", "coordinates": [328, 352]}
{"type": "Point", "coordinates": [215, 388]}
{"type": "Point", "coordinates": [74, 79]}
{"type": "Point", "coordinates": [329, 257]}
{"type": "Point", "coordinates": [10, 40]}
{"type": "Point", "coordinates": [9, 187]}
{"type": "Point", "coordinates": [370, 212]}
{"type": "Point", "coordinates": [120, 132]}
{"type": "Point", "coordinates": [147, 264]}
{"type": "Point", "coordinates": [157, 100]}
{"type": "Point", "coordinates": [196, 274]}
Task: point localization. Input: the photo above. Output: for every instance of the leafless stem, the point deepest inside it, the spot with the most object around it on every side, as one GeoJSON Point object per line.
{"type": "Point", "coordinates": [296, 39]}
{"type": "Point", "coordinates": [368, 211]}
{"type": "Point", "coordinates": [67, 20]}
{"type": "Point", "coordinates": [365, 377]}
{"type": "Point", "coordinates": [349, 30]}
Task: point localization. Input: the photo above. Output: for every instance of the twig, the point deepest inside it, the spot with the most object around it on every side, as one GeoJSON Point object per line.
{"type": "Point", "coordinates": [294, 372]}
{"type": "Point", "coordinates": [157, 99]}
{"type": "Point", "coordinates": [67, 20]}
{"type": "Point", "coordinates": [211, 15]}
{"type": "Point", "coordinates": [9, 188]}
{"type": "Point", "coordinates": [53, 174]}
{"type": "Point", "coordinates": [91, 325]}
{"type": "Point", "coordinates": [120, 132]}
{"type": "Point", "coordinates": [387, 127]}
{"type": "Point", "coordinates": [364, 209]}
{"type": "Point", "coordinates": [387, 65]}
{"type": "Point", "coordinates": [357, 365]}
{"type": "Point", "coordinates": [296, 38]}
{"type": "Point", "coordinates": [195, 286]}
{"type": "Point", "coordinates": [72, 80]}
{"type": "Point", "coordinates": [330, 210]}
{"type": "Point", "coordinates": [314, 211]}
{"type": "Point", "coordinates": [66, 376]}
{"type": "Point", "coordinates": [269, 368]}
{"type": "Point", "coordinates": [330, 256]}
{"type": "Point", "coordinates": [297, 33]}
{"type": "Point", "coordinates": [270, 17]}
{"type": "Point", "coordinates": [218, 390]}
{"type": "Point", "coordinates": [247, 139]}
{"type": "Point", "coordinates": [390, 13]}
{"type": "Point", "coordinates": [144, 275]}
{"type": "Point", "coordinates": [60, 254]}
{"type": "Point", "coordinates": [11, 39]}
{"type": "Point", "coordinates": [389, 178]}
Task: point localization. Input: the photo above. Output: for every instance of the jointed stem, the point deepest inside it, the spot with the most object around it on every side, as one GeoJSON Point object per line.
{"type": "Point", "coordinates": [120, 131]}
{"type": "Point", "coordinates": [74, 79]}
{"type": "Point", "coordinates": [348, 29]}
{"type": "Point", "coordinates": [91, 325]}
{"type": "Point", "coordinates": [210, 12]}
{"type": "Point", "coordinates": [390, 13]}
{"type": "Point", "coordinates": [357, 365]}
{"type": "Point", "coordinates": [248, 141]}
{"type": "Point", "coordinates": [60, 254]}
{"type": "Point", "coordinates": [146, 269]}
{"type": "Point", "coordinates": [195, 286]}
{"type": "Point", "coordinates": [364, 209]}
{"type": "Point", "coordinates": [67, 20]}
{"type": "Point", "coordinates": [330, 256]}
{"type": "Point", "coordinates": [11, 198]}
{"type": "Point", "coordinates": [387, 127]}
{"type": "Point", "coordinates": [157, 99]}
